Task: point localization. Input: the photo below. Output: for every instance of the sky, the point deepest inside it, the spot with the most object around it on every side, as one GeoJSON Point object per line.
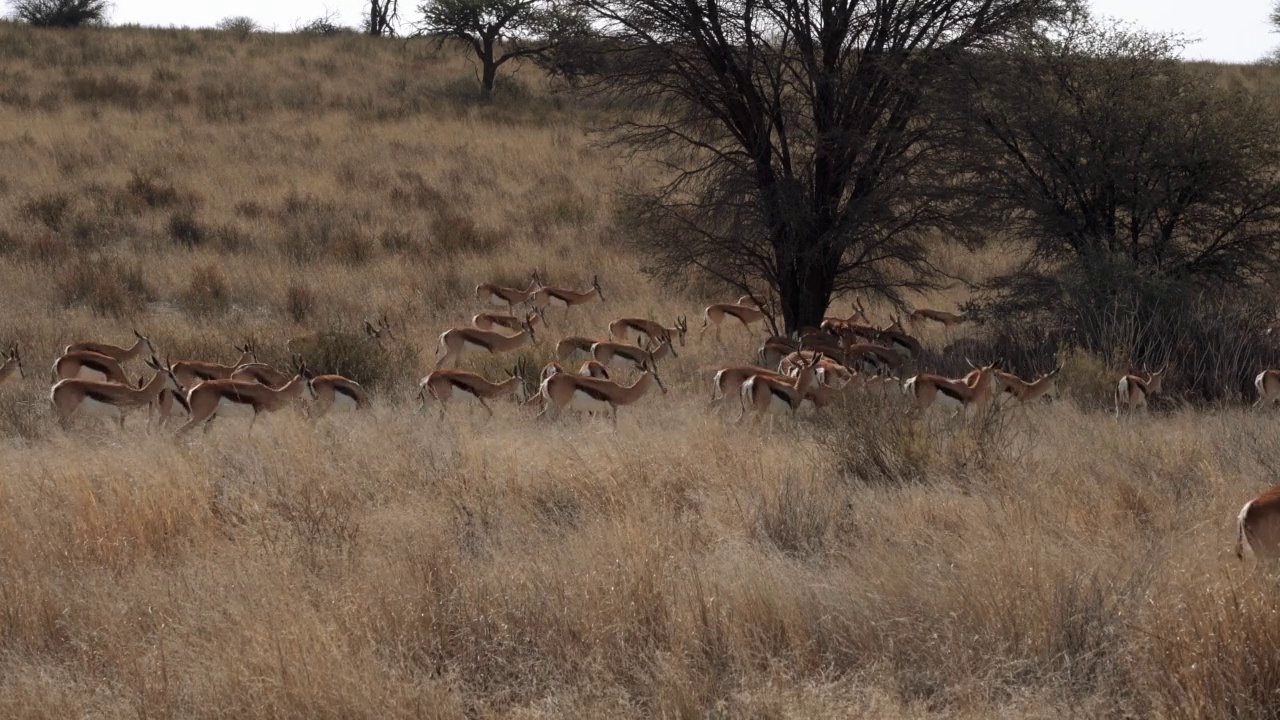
{"type": "Point", "coordinates": [1224, 30]}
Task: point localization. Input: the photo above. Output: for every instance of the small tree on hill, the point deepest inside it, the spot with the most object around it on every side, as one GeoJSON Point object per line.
{"type": "Point", "coordinates": [497, 31]}
{"type": "Point", "coordinates": [382, 17]}
{"type": "Point", "coordinates": [61, 13]}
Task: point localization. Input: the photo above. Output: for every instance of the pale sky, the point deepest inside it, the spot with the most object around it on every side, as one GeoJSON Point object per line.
{"type": "Point", "coordinates": [1228, 30]}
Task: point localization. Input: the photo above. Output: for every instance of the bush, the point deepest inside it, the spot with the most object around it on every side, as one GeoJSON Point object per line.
{"type": "Point", "coordinates": [300, 301]}
{"type": "Point", "coordinates": [49, 210]}
{"type": "Point", "coordinates": [61, 13]}
{"type": "Point", "coordinates": [151, 191]}
{"type": "Point", "coordinates": [352, 354]}
{"type": "Point", "coordinates": [240, 26]}
{"type": "Point", "coordinates": [105, 286]}
{"type": "Point", "coordinates": [207, 292]}
{"type": "Point", "coordinates": [184, 229]}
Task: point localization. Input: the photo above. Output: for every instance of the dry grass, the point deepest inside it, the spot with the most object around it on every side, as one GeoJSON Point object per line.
{"type": "Point", "coordinates": [1046, 563]}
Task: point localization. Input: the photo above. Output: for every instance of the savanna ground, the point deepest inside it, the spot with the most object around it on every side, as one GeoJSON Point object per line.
{"type": "Point", "coordinates": [206, 189]}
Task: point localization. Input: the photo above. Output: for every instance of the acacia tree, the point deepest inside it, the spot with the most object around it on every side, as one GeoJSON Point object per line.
{"type": "Point", "coordinates": [497, 31]}
{"type": "Point", "coordinates": [382, 17]}
{"type": "Point", "coordinates": [797, 134]}
{"type": "Point", "coordinates": [61, 13]}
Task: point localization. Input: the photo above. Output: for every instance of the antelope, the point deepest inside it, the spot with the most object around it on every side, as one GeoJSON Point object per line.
{"type": "Point", "coordinates": [926, 389]}
{"type": "Point", "coordinates": [505, 296]}
{"type": "Point", "coordinates": [115, 352]}
{"type": "Point", "coordinates": [731, 377]}
{"type": "Point", "coordinates": [171, 403]}
{"type": "Point", "coordinates": [947, 319]}
{"type": "Point", "coordinates": [1132, 391]}
{"type": "Point", "coordinates": [1258, 526]}
{"type": "Point", "coordinates": [792, 364]}
{"type": "Point", "coordinates": [897, 338]}
{"type": "Point", "coordinates": [858, 319]}
{"type": "Point", "coordinates": [590, 368]}
{"type": "Point", "coordinates": [443, 386]}
{"type": "Point", "coordinates": [458, 341]}
{"type": "Point", "coordinates": [192, 372]}
{"type": "Point", "coordinates": [648, 330]}
{"type": "Point", "coordinates": [748, 301]}
{"type": "Point", "coordinates": [566, 298]}
{"type": "Point", "coordinates": [1267, 383]}
{"type": "Point", "coordinates": [611, 353]}
{"type": "Point", "coordinates": [766, 395]}
{"type": "Point", "coordinates": [12, 363]}
{"type": "Point", "coordinates": [491, 321]}
{"type": "Point", "coordinates": [381, 332]}
{"type": "Point", "coordinates": [95, 397]}
{"type": "Point", "coordinates": [715, 315]}
{"type": "Point", "coordinates": [261, 373]}
{"type": "Point", "coordinates": [586, 394]}
{"type": "Point", "coordinates": [90, 366]}
{"type": "Point", "coordinates": [1045, 386]}
{"type": "Point", "coordinates": [873, 358]}
{"type": "Point", "coordinates": [211, 397]}
{"type": "Point", "coordinates": [334, 392]}
{"type": "Point", "coordinates": [776, 348]}
{"type": "Point", "coordinates": [593, 368]}
{"type": "Point", "coordinates": [571, 347]}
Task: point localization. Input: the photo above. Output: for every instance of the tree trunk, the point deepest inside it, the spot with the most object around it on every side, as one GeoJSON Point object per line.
{"type": "Point", "coordinates": [489, 69]}
{"type": "Point", "coordinates": [375, 18]}
{"type": "Point", "coordinates": [804, 289]}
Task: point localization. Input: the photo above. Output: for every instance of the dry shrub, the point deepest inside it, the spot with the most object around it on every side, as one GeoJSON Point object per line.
{"type": "Point", "coordinates": [796, 517]}
{"type": "Point", "coordinates": [299, 301]}
{"type": "Point", "coordinates": [106, 89]}
{"type": "Point", "coordinates": [207, 292]}
{"type": "Point", "coordinates": [353, 354]}
{"type": "Point", "coordinates": [151, 191]}
{"type": "Point", "coordinates": [9, 245]}
{"type": "Point", "coordinates": [871, 440]}
{"type": "Point", "coordinates": [106, 286]}
{"type": "Point", "coordinates": [186, 230]}
{"type": "Point", "coordinates": [51, 210]}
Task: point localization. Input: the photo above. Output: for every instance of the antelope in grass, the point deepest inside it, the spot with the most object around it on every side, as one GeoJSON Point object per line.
{"type": "Point", "coordinates": [1045, 386]}
{"type": "Point", "coordinates": [716, 314]}
{"type": "Point", "coordinates": [493, 321]}
{"type": "Point", "coordinates": [334, 392]}
{"type": "Point", "coordinates": [90, 366]}
{"type": "Point", "coordinates": [590, 368]}
{"type": "Point", "coordinates": [458, 341]}
{"type": "Point", "coordinates": [108, 399]}
{"type": "Point", "coordinates": [574, 346]}
{"type": "Point", "coordinates": [566, 298]}
{"type": "Point", "coordinates": [115, 352]}
{"type": "Point", "coordinates": [12, 363]}
{"type": "Point", "coordinates": [444, 386]}
{"type": "Point", "coordinates": [1132, 391]}
{"type": "Point", "coordinates": [728, 379]}
{"type": "Point", "coordinates": [500, 296]}
{"type": "Point", "coordinates": [896, 337]}
{"type": "Point", "coordinates": [748, 301]}
{"type": "Point", "coordinates": [172, 403]}
{"type": "Point", "coordinates": [261, 373]}
{"type": "Point", "coordinates": [765, 395]}
{"type": "Point", "coordinates": [647, 330]}
{"type": "Point", "coordinates": [1267, 383]}
{"type": "Point", "coordinates": [586, 394]}
{"type": "Point", "coordinates": [839, 325]}
{"type": "Point", "coordinates": [873, 359]}
{"type": "Point", "coordinates": [381, 332]}
{"type": "Point", "coordinates": [926, 389]}
{"type": "Point", "coordinates": [792, 364]}
{"type": "Point", "coordinates": [624, 355]}
{"type": "Point", "coordinates": [776, 348]}
{"type": "Point", "coordinates": [1258, 526]}
{"type": "Point", "coordinates": [948, 320]}
{"type": "Point", "coordinates": [192, 372]}
{"type": "Point", "coordinates": [212, 397]}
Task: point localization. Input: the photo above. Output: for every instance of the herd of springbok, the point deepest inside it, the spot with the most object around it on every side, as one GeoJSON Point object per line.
{"type": "Point", "coordinates": [802, 372]}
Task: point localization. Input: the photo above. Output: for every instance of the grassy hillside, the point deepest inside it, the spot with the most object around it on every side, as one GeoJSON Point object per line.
{"type": "Point", "coordinates": [204, 189]}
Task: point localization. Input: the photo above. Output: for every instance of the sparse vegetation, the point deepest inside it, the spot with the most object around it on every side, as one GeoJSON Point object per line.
{"type": "Point", "coordinates": [61, 13]}
{"type": "Point", "coordinates": [1045, 562]}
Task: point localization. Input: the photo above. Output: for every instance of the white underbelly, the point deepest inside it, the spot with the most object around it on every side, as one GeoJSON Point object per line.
{"type": "Point", "coordinates": [96, 408]}
{"type": "Point", "coordinates": [231, 407]}
{"type": "Point", "coordinates": [947, 402]}
{"type": "Point", "coordinates": [554, 301]}
{"type": "Point", "coordinates": [496, 299]}
{"type": "Point", "coordinates": [473, 347]}
{"type": "Point", "coordinates": [583, 402]}
{"type": "Point", "coordinates": [448, 393]}
{"type": "Point", "coordinates": [88, 373]}
{"type": "Point", "coordinates": [777, 404]}
{"type": "Point", "coordinates": [343, 402]}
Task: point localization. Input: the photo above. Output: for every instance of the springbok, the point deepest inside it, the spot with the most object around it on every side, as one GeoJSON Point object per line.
{"type": "Point", "coordinates": [748, 301]}
{"type": "Point", "coordinates": [728, 379]}
{"type": "Point", "coordinates": [443, 386]}
{"type": "Point", "coordinates": [766, 395]}
{"type": "Point", "coordinates": [336, 393]}
{"type": "Point", "coordinates": [1132, 391]}
{"type": "Point", "coordinates": [858, 319]}
{"type": "Point", "coordinates": [261, 373]}
{"type": "Point", "coordinates": [99, 398]}
{"type": "Point", "coordinates": [574, 346]}
{"type": "Point", "coordinates": [500, 296]}
{"type": "Point", "coordinates": [631, 356]}
{"type": "Point", "coordinates": [873, 359]}
{"type": "Point", "coordinates": [776, 348]}
{"type": "Point", "coordinates": [381, 332]}
{"type": "Point", "coordinates": [115, 352]}
{"type": "Point", "coordinates": [586, 394]}
{"type": "Point", "coordinates": [1268, 385]}
{"type": "Point", "coordinates": [192, 372]}
{"type": "Point", "coordinates": [896, 337]}
{"type": "Point", "coordinates": [458, 341]}
{"type": "Point", "coordinates": [590, 368]}
{"type": "Point", "coordinates": [647, 330]}
{"type": "Point", "coordinates": [792, 364]}
{"type": "Point", "coordinates": [12, 363]}
{"type": "Point", "coordinates": [947, 319]}
{"type": "Point", "coordinates": [716, 314]}
{"type": "Point", "coordinates": [493, 321]}
{"type": "Point", "coordinates": [1045, 386]}
{"type": "Point", "coordinates": [595, 369]}
{"type": "Point", "coordinates": [926, 389]}
{"type": "Point", "coordinates": [211, 397]}
{"type": "Point", "coordinates": [566, 298]}
{"type": "Point", "coordinates": [1258, 526]}
{"type": "Point", "coordinates": [90, 366]}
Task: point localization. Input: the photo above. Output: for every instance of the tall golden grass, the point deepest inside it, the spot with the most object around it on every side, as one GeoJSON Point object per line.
{"type": "Point", "coordinates": [202, 188]}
